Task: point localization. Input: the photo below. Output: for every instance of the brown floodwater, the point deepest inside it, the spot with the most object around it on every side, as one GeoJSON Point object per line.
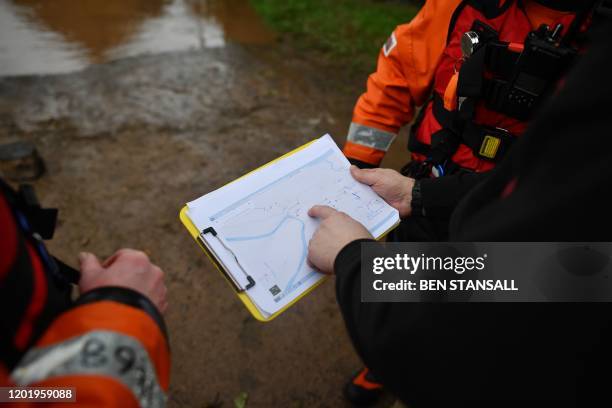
{"type": "Point", "coordinates": [61, 36]}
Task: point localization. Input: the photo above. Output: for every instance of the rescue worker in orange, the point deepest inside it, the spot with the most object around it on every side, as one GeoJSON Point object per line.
{"type": "Point", "coordinates": [109, 347]}
{"type": "Point", "coordinates": [479, 70]}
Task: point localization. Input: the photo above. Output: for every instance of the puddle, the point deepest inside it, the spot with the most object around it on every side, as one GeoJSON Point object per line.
{"type": "Point", "coordinates": [61, 36]}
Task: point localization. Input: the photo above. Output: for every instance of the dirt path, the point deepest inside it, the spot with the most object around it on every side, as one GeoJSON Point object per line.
{"type": "Point", "coordinates": [128, 142]}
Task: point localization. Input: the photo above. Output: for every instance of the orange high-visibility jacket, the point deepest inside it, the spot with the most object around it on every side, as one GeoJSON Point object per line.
{"type": "Point", "coordinates": [109, 347]}
{"type": "Point", "coordinates": [404, 79]}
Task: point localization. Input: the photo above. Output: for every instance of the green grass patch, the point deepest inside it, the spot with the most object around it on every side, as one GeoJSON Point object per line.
{"type": "Point", "coordinates": [351, 30]}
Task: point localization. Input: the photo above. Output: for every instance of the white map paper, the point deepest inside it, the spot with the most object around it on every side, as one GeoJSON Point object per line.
{"type": "Point", "coordinates": [263, 219]}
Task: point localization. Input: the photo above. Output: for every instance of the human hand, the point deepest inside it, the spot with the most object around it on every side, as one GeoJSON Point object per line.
{"type": "Point", "coordinates": [127, 268]}
{"type": "Point", "coordinates": [390, 185]}
{"type": "Point", "coordinates": [336, 231]}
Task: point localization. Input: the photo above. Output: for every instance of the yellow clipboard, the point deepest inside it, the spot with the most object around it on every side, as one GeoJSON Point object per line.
{"type": "Point", "coordinates": [248, 303]}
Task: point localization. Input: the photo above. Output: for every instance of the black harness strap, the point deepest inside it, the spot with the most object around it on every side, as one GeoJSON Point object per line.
{"type": "Point", "coordinates": [499, 59]}
{"type": "Point", "coordinates": [485, 142]}
{"type": "Point", "coordinates": [41, 225]}
{"type": "Point", "coordinates": [491, 9]}
{"type": "Point", "coordinates": [68, 272]}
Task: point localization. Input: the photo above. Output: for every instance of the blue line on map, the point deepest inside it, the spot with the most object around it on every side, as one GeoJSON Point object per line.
{"type": "Point", "coordinates": [267, 234]}
{"type": "Point", "coordinates": [290, 285]}
{"type": "Point", "coordinates": [247, 198]}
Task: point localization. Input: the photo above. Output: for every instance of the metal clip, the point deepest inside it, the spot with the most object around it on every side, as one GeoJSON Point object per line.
{"type": "Point", "coordinates": [249, 278]}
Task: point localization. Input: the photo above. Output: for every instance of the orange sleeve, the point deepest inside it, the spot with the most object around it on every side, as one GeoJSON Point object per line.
{"type": "Point", "coordinates": [405, 71]}
{"type": "Point", "coordinates": [402, 81]}
{"type": "Point", "coordinates": [111, 353]}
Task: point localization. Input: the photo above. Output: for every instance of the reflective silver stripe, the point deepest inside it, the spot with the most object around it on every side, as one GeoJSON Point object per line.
{"type": "Point", "coordinates": [390, 45]}
{"type": "Point", "coordinates": [371, 137]}
{"type": "Point", "coordinates": [99, 352]}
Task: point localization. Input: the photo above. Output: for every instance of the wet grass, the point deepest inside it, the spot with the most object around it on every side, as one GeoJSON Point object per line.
{"type": "Point", "coordinates": [351, 31]}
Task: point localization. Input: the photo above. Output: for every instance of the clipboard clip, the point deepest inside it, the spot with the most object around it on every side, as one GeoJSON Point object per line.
{"type": "Point", "coordinates": [249, 278]}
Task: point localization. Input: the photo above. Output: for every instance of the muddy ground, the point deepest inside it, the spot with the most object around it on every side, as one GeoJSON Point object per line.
{"type": "Point", "coordinates": [127, 143]}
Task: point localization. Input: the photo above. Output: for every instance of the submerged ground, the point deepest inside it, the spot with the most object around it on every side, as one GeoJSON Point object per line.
{"type": "Point", "coordinates": [140, 106]}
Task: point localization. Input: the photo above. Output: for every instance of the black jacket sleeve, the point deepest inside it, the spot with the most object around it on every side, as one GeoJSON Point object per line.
{"type": "Point", "coordinates": [475, 355]}
{"type": "Point", "coordinates": [440, 196]}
